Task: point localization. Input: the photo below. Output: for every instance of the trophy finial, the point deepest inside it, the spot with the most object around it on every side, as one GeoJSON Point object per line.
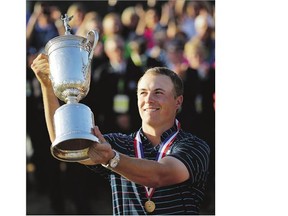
{"type": "Point", "coordinates": [66, 20]}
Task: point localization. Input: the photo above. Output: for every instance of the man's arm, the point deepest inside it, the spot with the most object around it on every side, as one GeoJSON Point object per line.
{"type": "Point", "coordinates": [167, 171]}
{"type": "Point", "coordinates": [40, 66]}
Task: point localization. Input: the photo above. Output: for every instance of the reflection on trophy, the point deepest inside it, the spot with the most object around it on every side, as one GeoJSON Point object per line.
{"type": "Point", "coordinates": [70, 73]}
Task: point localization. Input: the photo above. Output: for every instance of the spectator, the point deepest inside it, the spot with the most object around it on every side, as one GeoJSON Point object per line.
{"type": "Point", "coordinates": [198, 113]}
{"type": "Point", "coordinates": [186, 20]}
{"type": "Point", "coordinates": [46, 172]}
{"type": "Point", "coordinates": [41, 27]}
{"type": "Point", "coordinates": [148, 24]}
{"type": "Point", "coordinates": [129, 19]}
{"type": "Point", "coordinates": [158, 52]}
{"type": "Point", "coordinates": [175, 57]}
{"type": "Point", "coordinates": [140, 57]}
{"type": "Point", "coordinates": [205, 33]}
{"type": "Point", "coordinates": [78, 11]}
{"type": "Point", "coordinates": [115, 110]}
{"type": "Point", "coordinates": [93, 21]}
{"type": "Point", "coordinates": [199, 82]}
{"type": "Point", "coordinates": [112, 25]}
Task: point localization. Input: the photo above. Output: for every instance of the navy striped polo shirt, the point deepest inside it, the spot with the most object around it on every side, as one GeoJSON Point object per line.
{"type": "Point", "coordinates": [184, 198]}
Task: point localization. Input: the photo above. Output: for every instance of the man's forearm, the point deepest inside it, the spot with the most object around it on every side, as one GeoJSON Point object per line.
{"type": "Point", "coordinates": [51, 104]}
{"type": "Point", "coordinates": [140, 171]}
{"type": "Point", "coordinates": [167, 171]}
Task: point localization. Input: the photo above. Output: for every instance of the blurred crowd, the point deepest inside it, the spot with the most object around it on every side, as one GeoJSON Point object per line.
{"type": "Point", "coordinates": [134, 36]}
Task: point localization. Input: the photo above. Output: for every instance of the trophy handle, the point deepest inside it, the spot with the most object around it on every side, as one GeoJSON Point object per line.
{"type": "Point", "coordinates": [92, 37]}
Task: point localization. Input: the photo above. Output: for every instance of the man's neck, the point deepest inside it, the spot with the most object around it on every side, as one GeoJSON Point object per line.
{"type": "Point", "coordinates": [154, 133]}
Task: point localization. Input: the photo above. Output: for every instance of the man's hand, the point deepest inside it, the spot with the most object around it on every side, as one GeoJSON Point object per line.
{"type": "Point", "coordinates": [99, 153]}
{"type": "Point", "coordinates": [40, 66]}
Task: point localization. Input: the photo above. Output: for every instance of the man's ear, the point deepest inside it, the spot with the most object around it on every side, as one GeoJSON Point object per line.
{"type": "Point", "coordinates": [179, 101]}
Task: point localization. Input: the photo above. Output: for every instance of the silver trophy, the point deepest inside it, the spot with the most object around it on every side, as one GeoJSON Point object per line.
{"type": "Point", "coordinates": [70, 73]}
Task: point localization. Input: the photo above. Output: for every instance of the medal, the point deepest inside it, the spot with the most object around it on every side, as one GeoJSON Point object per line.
{"type": "Point", "coordinates": [163, 150]}
{"type": "Point", "coordinates": [150, 206]}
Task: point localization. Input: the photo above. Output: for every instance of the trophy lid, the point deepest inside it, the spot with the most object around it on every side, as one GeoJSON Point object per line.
{"type": "Point", "coordinates": [65, 40]}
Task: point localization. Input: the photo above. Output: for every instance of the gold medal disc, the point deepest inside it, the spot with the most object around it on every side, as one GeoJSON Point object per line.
{"type": "Point", "coordinates": [150, 206]}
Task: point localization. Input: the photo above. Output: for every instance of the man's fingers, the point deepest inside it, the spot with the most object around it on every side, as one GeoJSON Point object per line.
{"type": "Point", "coordinates": [99, 135]}
{"type": "Point", "coordinates": [42, 55]}
{"type": "Point", "coordinates": [40, 64]}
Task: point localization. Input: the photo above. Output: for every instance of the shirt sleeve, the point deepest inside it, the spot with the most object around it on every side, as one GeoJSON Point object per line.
{"type": "Point", "coordinates": [102, 171]}
{"type": "Point", "coordinates": [194, 154]}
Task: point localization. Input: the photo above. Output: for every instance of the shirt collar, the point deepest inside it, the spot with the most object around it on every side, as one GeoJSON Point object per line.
{"type": "Point", "coordinates": [164, 135]}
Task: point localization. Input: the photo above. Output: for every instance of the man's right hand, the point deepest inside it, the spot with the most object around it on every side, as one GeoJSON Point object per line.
{"type": "Point", "coordinates": [40, 66]}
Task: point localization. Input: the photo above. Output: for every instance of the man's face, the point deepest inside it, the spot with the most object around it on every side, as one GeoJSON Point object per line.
{"type": "Point", "coordinates": [114, 51]}
{"type": "Point", "coordinates": [157, 103]}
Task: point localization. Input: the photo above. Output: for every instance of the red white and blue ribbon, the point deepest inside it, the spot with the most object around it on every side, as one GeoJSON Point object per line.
{"type": "Point", "coordinates": [164, 147]}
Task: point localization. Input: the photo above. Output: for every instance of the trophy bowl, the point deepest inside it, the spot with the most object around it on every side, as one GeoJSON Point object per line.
{"type": "Point", "coordinates": [70, 69]}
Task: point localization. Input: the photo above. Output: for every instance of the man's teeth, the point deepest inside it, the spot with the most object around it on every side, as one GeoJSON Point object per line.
{"type": "Point", "coordinates": [151, 109]}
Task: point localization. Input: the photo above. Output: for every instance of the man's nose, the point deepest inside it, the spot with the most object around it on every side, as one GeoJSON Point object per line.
{"type": "Point", "coordinates": [149, 97]}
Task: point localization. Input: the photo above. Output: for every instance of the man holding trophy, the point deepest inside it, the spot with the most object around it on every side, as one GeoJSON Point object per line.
{"type": "Point", "coordinates": [159, 169]}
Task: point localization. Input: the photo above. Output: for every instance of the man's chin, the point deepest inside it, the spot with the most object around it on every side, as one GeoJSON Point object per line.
{"type": "Point", "coordinates": [151, 120]}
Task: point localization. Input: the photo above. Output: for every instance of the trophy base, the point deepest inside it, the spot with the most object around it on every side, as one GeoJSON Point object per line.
{"type": "Point", "coordinates": [74, 125]}
{"type": "Point", "coordinates": [71, 149]}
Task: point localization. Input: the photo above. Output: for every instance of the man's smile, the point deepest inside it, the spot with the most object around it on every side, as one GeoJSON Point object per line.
{"type": "Point", "coordinates": [151, 109]}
